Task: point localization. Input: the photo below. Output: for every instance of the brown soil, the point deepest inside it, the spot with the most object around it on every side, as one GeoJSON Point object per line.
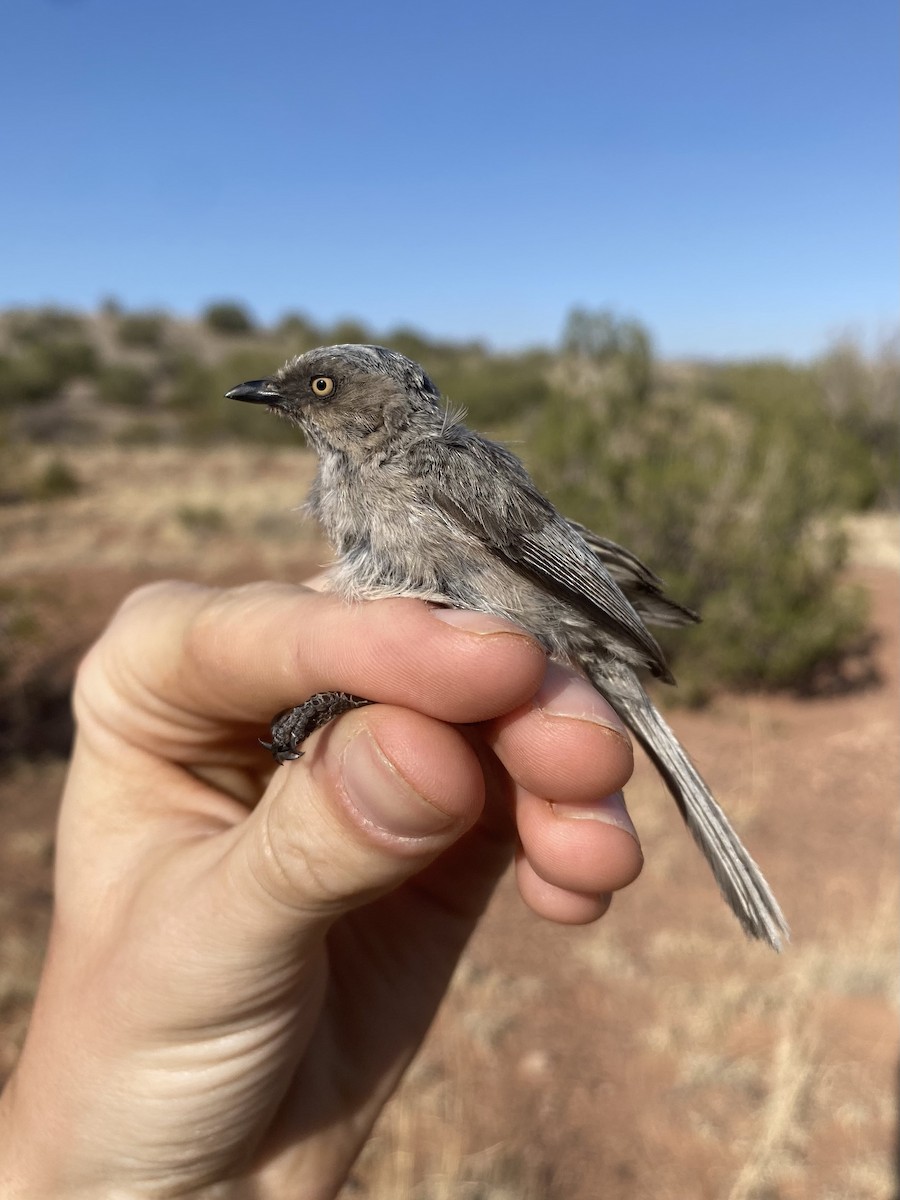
{"type": "Point", "coordinates": [657, 1054]}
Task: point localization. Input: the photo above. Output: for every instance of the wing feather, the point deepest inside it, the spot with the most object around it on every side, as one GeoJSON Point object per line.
{"type": "Point", "coordinates": [643, 588]}
{"type": "Point", "coordinates": [487, 491]}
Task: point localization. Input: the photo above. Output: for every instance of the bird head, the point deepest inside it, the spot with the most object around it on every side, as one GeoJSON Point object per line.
{"type": "Point", "coordinates": [351, 399]}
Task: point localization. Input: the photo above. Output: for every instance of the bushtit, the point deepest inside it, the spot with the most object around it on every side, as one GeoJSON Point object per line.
{"type": "Point", "coordinates": [416, 504]}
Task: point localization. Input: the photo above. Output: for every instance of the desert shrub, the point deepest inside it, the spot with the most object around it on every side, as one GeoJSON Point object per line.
{"type": "Point", "coordinates": [348, 332]}
{"type": "Point", "coordinates": [111, 307]}
{"type": "Point", "coordinates": [785, 400]}
{"type": "Point", "coordinates": [493, 390]}
{"type": "Point", "coordinates": [41, 369]}
{"type": "Point", "coordinates": [197, 394]}
{"type": "Point", "coordinates": [18, 624]}
{"type": "Point", "coordinates": [603, 338]}
{"type": "Point", "coordinates": [73, 358]}
{"type": "Point", "coordinates": [246, 422]}
{"type": "Point", "coordinates": [228, 318]}
{"type": "Point", "coordinates": [28, 326]}
{"type": "Point", "coordinates": [861, 397]}
{"type": "Point", "coordinates": [49, 347]}
{"type": "Point", "coordinates": [142, 330]}
{"type": "Point", "coordinates": [140, 433]}
{"type": "Point", "coordinates": [298, 333]}
{"type": "Point", "coordinates": [202, 519]}
{"type": "Point", "coordinates": [9, 393]}
{"type": "Point", "coordinates": [191, 394]}
{"type": "Point", "coordinates": [55, 481]}
{"type": "Point", "coordinates": [731, 504]}
{"type": "Point", "coordinates": [125, 386]}
{"type": "Point", "coordinates": [417, 345]}
{"type": "Point", "coordinates": [31, 376]}
{"type": "Point", "coordinates": [188, 380]}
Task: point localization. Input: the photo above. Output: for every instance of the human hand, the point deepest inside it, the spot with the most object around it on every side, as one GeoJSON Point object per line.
{"type": "Point", "coordinates": [244, 959]}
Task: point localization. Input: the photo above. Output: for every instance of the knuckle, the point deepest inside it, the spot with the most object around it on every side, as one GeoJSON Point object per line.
{"type": "Point", "coordinates": [296, 865]}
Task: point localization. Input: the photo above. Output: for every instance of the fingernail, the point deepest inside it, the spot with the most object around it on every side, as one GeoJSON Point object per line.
{"type": "Point", "coordinates": [563, 694]}
{"type": "Point", "coordinates": [378, 791]}
{"type": "Point", "coordinates": [477, 622]}
{"type": "Point", "coordinates": [610, 810]}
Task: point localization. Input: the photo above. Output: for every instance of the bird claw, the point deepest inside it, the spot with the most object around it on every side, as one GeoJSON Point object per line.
{"type": "Point", "coordinates": [279, 754]}
{"type": "Point", "coordinates": [293, 726]}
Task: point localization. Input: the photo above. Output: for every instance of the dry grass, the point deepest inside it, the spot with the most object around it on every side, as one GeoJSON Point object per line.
{"type": "Point", "coordinates": [133, 511]}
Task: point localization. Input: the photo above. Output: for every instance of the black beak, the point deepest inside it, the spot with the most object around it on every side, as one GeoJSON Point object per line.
{"type": "Point", "coordinates": [255, 391]}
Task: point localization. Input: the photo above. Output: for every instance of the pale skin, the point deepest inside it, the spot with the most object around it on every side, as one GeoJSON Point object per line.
{"type": "Point", "coordinates": [244, 959]}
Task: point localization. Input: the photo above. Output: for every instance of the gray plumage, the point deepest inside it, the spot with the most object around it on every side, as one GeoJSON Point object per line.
{"type": "Point", "coordinates": [417, 504]}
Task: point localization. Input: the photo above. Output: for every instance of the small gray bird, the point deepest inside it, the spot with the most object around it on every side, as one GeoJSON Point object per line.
{"type": "Point", "coordinates": [416, 504]}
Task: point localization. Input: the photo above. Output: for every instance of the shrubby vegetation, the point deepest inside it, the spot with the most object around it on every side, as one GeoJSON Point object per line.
{"type": "Point", "coordinates": [727, 486]}
{"type": "Point", "coordinates": [43, 351]}
{"type": "Point", "coordinates": [141, 329]}
{"type": "Point", "coordinates": [228, 318]}
{"type": "Point", "coordinates": [55, 482]}
{"type": "Point", "coordinates": [727, 479]}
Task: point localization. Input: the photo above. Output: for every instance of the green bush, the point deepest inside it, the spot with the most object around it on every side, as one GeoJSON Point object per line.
{"type": "Point", "coordinates": [140, 433]}
{"type": "Point", "coordinates": [348, 332]}
{"type": "Point", "coordinates": [197, 394]}
{"type": "Point", "coordinates": [246, 422]}
{"type": "Point", "coordinates": [861, 396]}
{"type": "Point", "coordinates": [9, 390]}
{"type": "Point", "coordinates": [41, 369]}
{"type": "Point", "coordinates": [731, 503]}
{"type": "Point", "coordinates": [788, 401]}
{"type": "Point", "coordinates": [228, 318]}
{"type": "Point", "coordinates": [55, 482]}
{"type": "Point", "coordinates": [188, 380]}
{"type": "Point", "coordinates": [142, 330]}
{"type": "Point", "coordinates": [49, 349]}
{"type": "Point", "coordinates": [298, 333]}
{"type": "Point", "coordinates": [110, 306]}
{"type": "Point", "coordinates": [125, 386]}
{"type": "Point", "coordinates": [28, 326]}
{"type": "Point", "coordinates": [73, 358]}
{"type": "Point", "coordinates": [495, 390]}
{"type": "Point", "coordinates": [31, 376]}
{"type": "Point", "coordinates": [202, 519]}
{"type": "Point", "coordinates": [603, 338]}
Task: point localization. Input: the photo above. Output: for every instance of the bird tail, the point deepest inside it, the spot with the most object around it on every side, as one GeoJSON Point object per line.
{"type": "Point", "coordinates": [739, 878]}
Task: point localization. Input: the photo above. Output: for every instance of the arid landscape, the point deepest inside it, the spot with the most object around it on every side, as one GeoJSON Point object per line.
{"type": "Point", "coordinates": [644, 247]}
{"type": "Point", "coordinates": [657, 1054]}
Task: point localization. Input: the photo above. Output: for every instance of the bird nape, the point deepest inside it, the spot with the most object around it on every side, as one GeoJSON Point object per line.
{"type": "Point", "coordinates": [417, 504]}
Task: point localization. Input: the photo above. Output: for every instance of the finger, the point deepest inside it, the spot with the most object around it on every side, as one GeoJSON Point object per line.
{"type": "Point", "coordinates": [241, 654]}
{"type": "Point", "coordinates": [378, 795]}
{"type": "Point", "coordinates": [558, 904]}
{"type": "Point", "coordinates": [566, 743]}
{"type": "Point", "coordinates": [591, 849]}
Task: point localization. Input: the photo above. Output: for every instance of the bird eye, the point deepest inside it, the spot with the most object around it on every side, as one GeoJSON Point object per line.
{"type": "Point", "coordinates": [322, 385]}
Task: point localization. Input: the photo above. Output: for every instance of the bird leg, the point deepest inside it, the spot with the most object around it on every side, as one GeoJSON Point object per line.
{"type": "Point", "coordinates": [294, 725]}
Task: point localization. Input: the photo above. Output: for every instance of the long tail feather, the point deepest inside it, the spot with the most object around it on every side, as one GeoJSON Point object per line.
{"type": "Point", "coordinates": [739, 878]}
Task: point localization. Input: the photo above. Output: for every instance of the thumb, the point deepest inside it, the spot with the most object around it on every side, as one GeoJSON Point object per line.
{"type": "Point", "coordinates": [378, 795]}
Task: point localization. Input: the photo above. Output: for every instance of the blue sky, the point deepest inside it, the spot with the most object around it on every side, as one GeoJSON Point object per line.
{"type": "Point", "coordinates": [724, 171]}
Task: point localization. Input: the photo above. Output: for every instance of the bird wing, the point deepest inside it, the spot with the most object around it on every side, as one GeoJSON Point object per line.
{"type": "Point", "coordinates": [486, 490]}
{"type": "Point", "coordinates": [642, 587]}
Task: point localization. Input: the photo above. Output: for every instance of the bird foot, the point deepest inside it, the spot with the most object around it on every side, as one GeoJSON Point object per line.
{"type": "Point", "coordinates": [294, 725]}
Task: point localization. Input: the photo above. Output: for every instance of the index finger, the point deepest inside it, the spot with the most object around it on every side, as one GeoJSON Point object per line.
{"type": "Point", "coordinates": [237, 655]}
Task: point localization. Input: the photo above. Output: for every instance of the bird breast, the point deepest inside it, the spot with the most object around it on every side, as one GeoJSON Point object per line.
{"type": "Point", "coordinates": [385, 535]}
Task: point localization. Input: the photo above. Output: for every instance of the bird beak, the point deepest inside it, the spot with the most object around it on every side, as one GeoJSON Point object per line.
{"type": "Point", "coordinates": [255, 391]}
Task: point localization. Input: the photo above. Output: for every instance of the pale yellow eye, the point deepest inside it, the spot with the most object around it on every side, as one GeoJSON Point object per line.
{"type": "Point", "coordinates": [322, 385]}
